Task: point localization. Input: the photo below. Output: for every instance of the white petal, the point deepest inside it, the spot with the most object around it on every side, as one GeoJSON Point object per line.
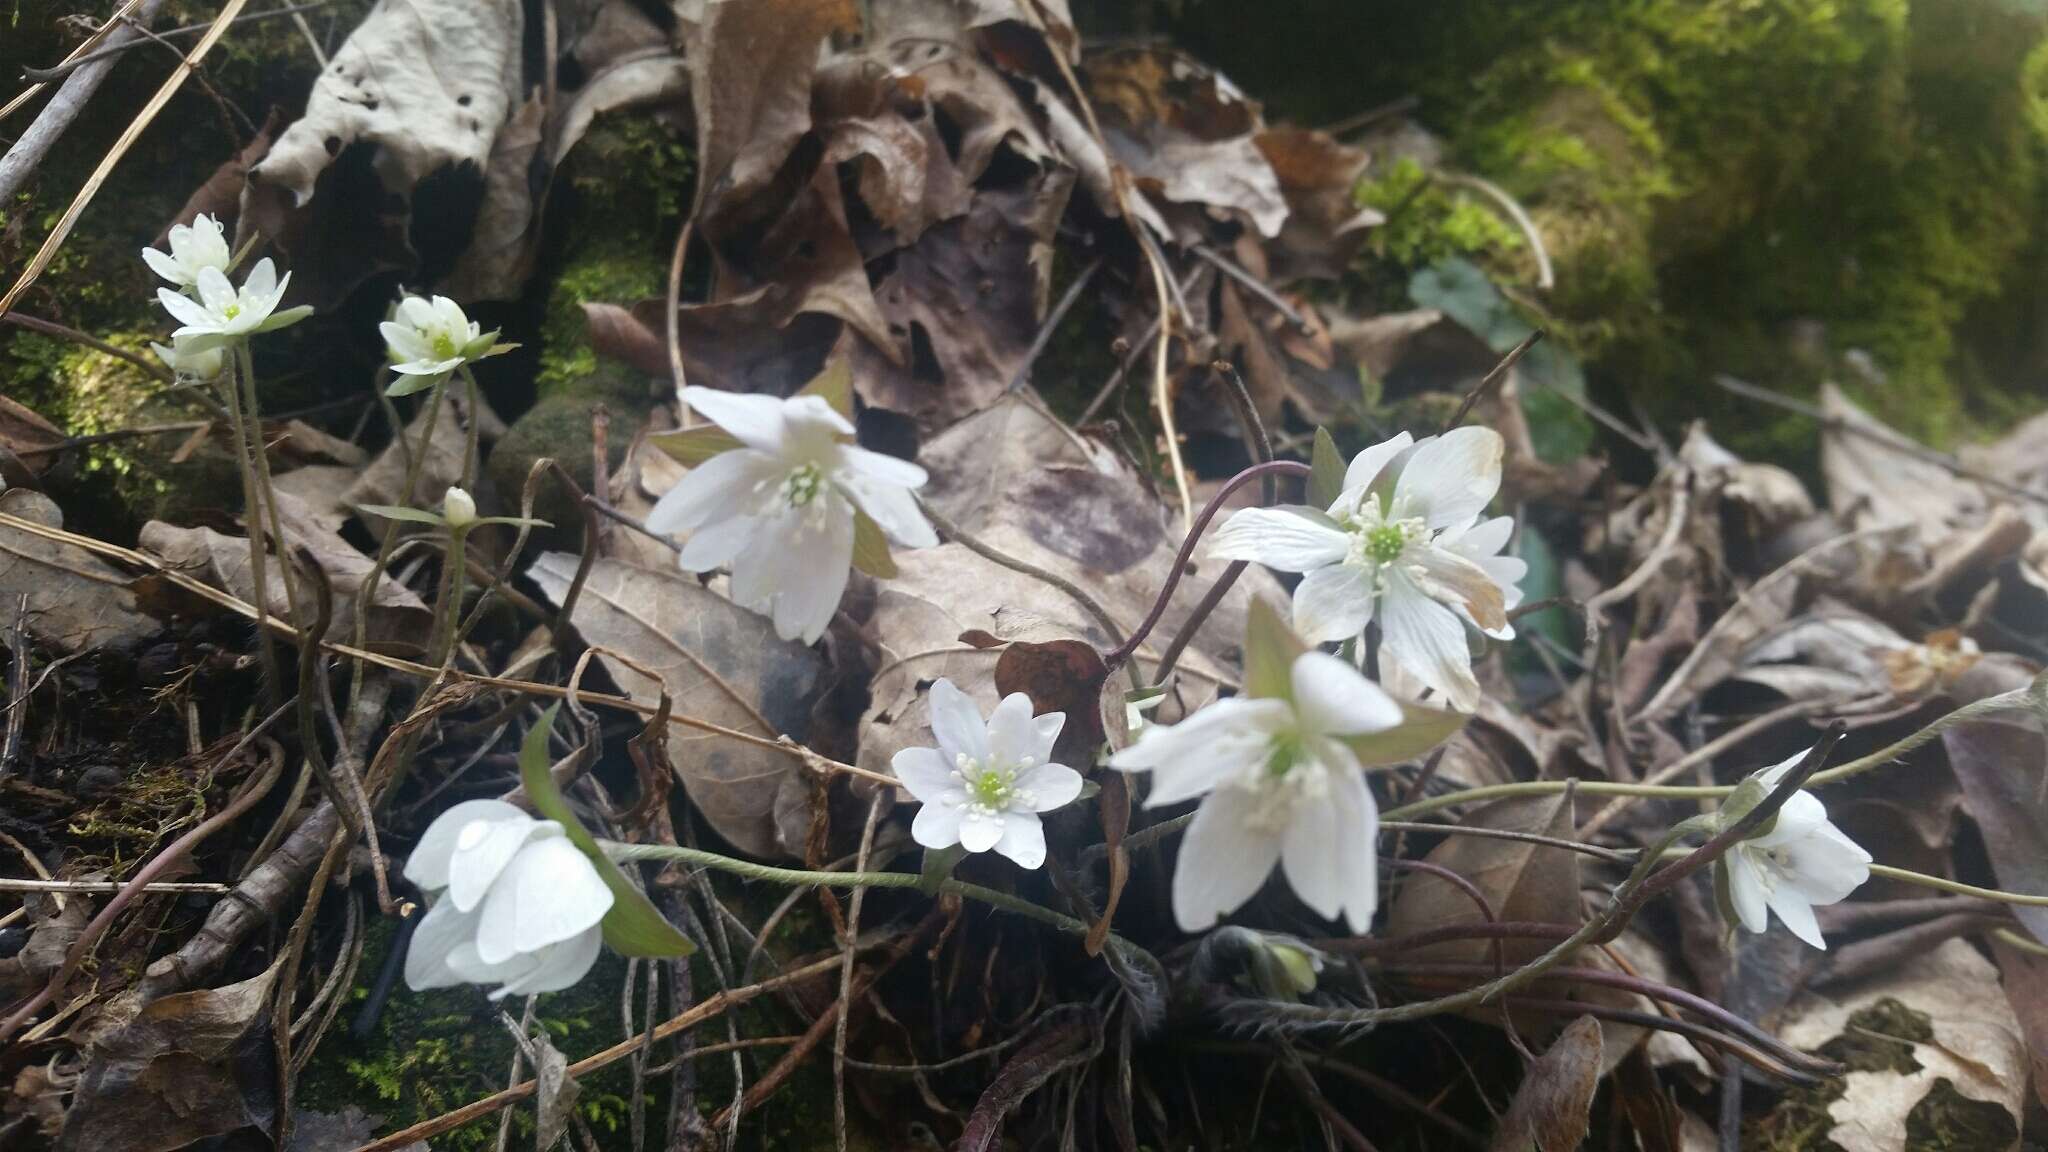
{"type": "Point", "coordinates": [1046, 731]}
{"type": "Point", "coordinates": [470, 968]}
{"type": "Point", "coordinates": [927, 774]}
{"type": "Point", "coordinates": [1278, 538]}
{"type": "Point", "coordinates": [165, 267]}
{"type": "Point", "coordinates": [980, 831]}
{"type": "Point", "coordinates": [1483, 539]}
{"type": "Point", "coordinates": [812, 428]}
{"type": "Point", "coordinates": [1358, 831]}
{"type": "Point", "coordinates": [1226, 741]}
{"type": "Point", "coordinates": [449, 315]}
{"type": "Point", "coordinates": [1428, 640]}
{"type": "Point", "coordinates": [1460, 583]}
{"type": "Point", "coordinates": [1023, 839]}
{"type": "Point", "coordinates": [425, 367]}
{"type": "Point", "coordinates": [1310, 857]}
{"type": "Point", "coordinates": [215, 293]}
{"type": "Point", "coordinates": [417, 312]}
{"type": "Point", "coordinates": [1830, 865]}
{"type": "Point", "coordinates": [427, 867]}
{"type": "Point", "coordinates": [937, 825]}
{"type": "Point", "coordinates": [1746, 890]}
{"type": "Point", "coordinates": [1796, 912]}
{"type": "Point", "coordinates": [1507, 572]}
{"type": "Point", "coordinates": [184, 309]}
{"type": "Point", "coordinates": [1365, 467]}
{"type": "Point", "coordinates": [404, 343]}
{"type": "Point", "coordinates": [719, 487]}
{"type": "Point", "coordinates": [1223, 860]}
{"type": "Point", "coordinates": [557, 966]}
{"type": "Point", "coordinates": [892, 507]}
{"type": "Point", "coordinates": [548, 893]}
{"type": "Point", "coordinates": [1452, 478]}
{"type": "Point", "coordinates": [1331, 697]}
{"type": "Point", "coordinates": [1011, 735]}
{"type": "Point", "coordinates": [262, 282]}
{"type": "Point", "coordinates": [957, 723]}
{"type": "Point", "coordinates": [1051, 786]}
{"type": "Point", "coordinates": [757, 421]}
{"type": "Point", "coordinates": [717, 545]}
{"type": "Point", "coordinates": [819, 565]}
{"type": "Point", "coordinates": [441, 930]}
{"type": "Point", "coordinates": [482, 850]}
{"type": "Point", "coordinates": [1333, 603]}
{"type": "Point", "coordinates": [1798, 818]}
{"type": "Point", "coordinates": [880, 468]}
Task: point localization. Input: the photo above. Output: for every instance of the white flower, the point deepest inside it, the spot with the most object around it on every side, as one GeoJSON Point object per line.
{"type": "Point", "coordinates": [432, 337]}
{"type": "Point", "coordinates": [1405, 541]}
{"type": "Point", "coordinates": [194, 249]}
{"type": "Point", "coordinates": [779, 510]}
{"type": "Point", "coordinates": [189, 362]}
{"type": "Point", "coordinates": [985, 784]}
{"type": "Point", "coordinates": [457, 508]}
{"type": "Point", "coordinates": [1282, 785]}
{"type": "Point", "coordinates": [224, 313]}
{"type": "Point", "coordinates": [521, 907]}
{"type": "Point", "coordinates": [1803, 861]}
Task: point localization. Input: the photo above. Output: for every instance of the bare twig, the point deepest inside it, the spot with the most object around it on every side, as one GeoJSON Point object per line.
{"type": "Point", "coordinates": [1493, 378]}
{"type": "Point", "coordinates": [1052, 322]}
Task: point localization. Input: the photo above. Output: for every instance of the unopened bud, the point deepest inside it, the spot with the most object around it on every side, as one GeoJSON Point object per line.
{"type": "Point", "coordinates": [458, 509]}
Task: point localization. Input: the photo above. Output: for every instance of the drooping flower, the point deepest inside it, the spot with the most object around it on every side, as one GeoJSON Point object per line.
{"type": "Point", "coordinates": [518, 905]}
{"type": "Point", "coordinates": [1404, 542]}
{"type": "Point", "coordinates": [194, 248]}
{"type": "Point", "coordinates": [187, 362]}
{"type": "Point", "coordinates": [224, 313]}
{"type": "Point", "coordinates": [430, 338]}
{"type": "Point", "coordinates": [1281, 771]}
{"type": "Point", "coordinates": [780, 509]}
{"type": "Point", "coordinates": [1800, 861]}
{"type": "Point", "coordinates": [985, 785]}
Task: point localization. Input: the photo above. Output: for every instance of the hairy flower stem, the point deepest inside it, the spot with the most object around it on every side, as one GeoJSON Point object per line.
{"type": "Point", "coordinates": [1925, 881]}
{"type": "Point", "coordinates": [416, 457]}
{"type": "Point", "coordinates": [252, 512]}
{"type": "Point", "coordinates": [252, 412]}
{"type": "Point", "coordinates": [448, 606]}
{"type": "Point", "coordinates": [622, 853]}
{"type": "Point", "coordinates": [1116, 657]}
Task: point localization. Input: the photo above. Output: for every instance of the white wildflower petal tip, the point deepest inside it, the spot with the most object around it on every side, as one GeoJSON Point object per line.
{"type": "Point", "coordinates": [1802, 862]}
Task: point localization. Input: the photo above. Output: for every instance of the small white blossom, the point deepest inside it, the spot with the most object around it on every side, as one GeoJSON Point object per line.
{"type": "Point", "coordinates": [1405, 542]}
{"type": "Point", "coordinates": [430, 338]}
{"type": "Point", "coordinates": [1281, 784]}
{"type": "Point", "coordinates": [224, 313]}
{"type": "Point", "coordinates": [1801, 862]}
{"type": "Point", "coordinates": [779, 509]}
{"type": "Point", "coordinates": [194, 248]}
{"type": "Point", "coordinates": [457, 508]}
{"type": "Point", "coordinates": [985, 784]}
{"type": "Point", "coordinates": [189, 362]}
{"type": "Point", "coordinates": [518, 904]}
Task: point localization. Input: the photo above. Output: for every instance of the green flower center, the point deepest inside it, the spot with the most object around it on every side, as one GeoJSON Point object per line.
{"type": "Point", "coordinates": [803, 485]}
{"type": "Point", "coordinates": [232, 311]}
{"type": "Point", "coordinates": [1283, 754]}
{"type": "Point", "coordinates": [1385, 542]}
{"type": "Point", "coordinates": [993, 788]}
{"type": "Point", "coordinates": [444, 346]}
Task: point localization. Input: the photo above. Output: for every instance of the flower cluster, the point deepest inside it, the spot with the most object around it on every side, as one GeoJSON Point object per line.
{"type": "Point", "coordinates": [1404, 542]}
{"type": "Point", "coordinates": [985, 784]}
{"type": "Point", "coordinates": [780, 509]}
{"type": "Point", "coordinates": [427, 339]}
{"type": "Point", "coordinates": [213, 312]}
{"type": "Point", "coordinates": [518, 905]}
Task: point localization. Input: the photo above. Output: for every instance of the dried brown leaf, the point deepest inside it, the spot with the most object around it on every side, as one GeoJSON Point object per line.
{"type": "Point", "coordinates": [75, 600]}
{"type": "Point", "coordinates": [717, 662]}
{"type": "Point", "coordinates": [2002, 764]}
{"type": "Point", "coordinates": [1520, 881]}
{"type": "Point", "coordinates": [1552, 1110]}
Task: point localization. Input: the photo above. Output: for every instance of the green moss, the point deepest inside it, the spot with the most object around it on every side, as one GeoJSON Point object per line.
{"type": "Point", "coordinates": [1426, 222]}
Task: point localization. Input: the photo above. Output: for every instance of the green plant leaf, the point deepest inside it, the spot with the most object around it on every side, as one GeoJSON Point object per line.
{"type": "Point", "coordinates": [395, 512]}
{"type": "Point", "coordinates": [835, 384]}
{"type": "Point", "coordinates": [871, 547]}
{"type": "Point", "coordinates": [406, 384]}
{"type": "Point", "coordinates": [693, 446]}
{"type": "Point", "coordinates": [515, 521]}
{"type": "Point", "coordinates": [1421, 729]}
{"type": "Point", "coordinates": [1270, 649]}
{"type": "Point", "coordinates": [633, 927]}
{"type": "Point", "coordinates": [1326, 470]}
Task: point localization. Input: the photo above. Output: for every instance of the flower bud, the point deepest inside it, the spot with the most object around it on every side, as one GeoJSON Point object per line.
{"type": "Point", "coordinates": [1283, 968]}
{"type": "Point", "coordinates": [458, 509]}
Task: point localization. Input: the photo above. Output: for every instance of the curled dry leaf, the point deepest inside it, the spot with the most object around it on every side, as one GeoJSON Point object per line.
{"type": "Point", "coordinates": [21, 431]}
{"type": "Point", "coordinates": [1553, 1108]}
{"type": "Point", "coordinates": [397, 613]}
{"type": "Point", "coordinates": [717, 662]}
{"type": "Point", "coordinates": [176, 1071]}
{"type": "Point", "coordinates": [1187, 135]}
{"type": "Point", "coordinates": [1324, 226]}
{"type": "Point", "coordinates": [429, 84]}
{"type": "Point", "coordinates": [1962, 1049]}
{"type": "Point", "coordinates": [1521, 881]}
{"type": "Point", "coordinates": [2002, 764]}
{"type": "Point", "coordinates": [75, 600]}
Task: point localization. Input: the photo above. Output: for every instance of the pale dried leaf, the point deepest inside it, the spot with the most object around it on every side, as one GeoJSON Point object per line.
{"type": "Point", "coordinates": [1553, 1108]}
{"type": "Point", "coordinates": [76, 600]}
